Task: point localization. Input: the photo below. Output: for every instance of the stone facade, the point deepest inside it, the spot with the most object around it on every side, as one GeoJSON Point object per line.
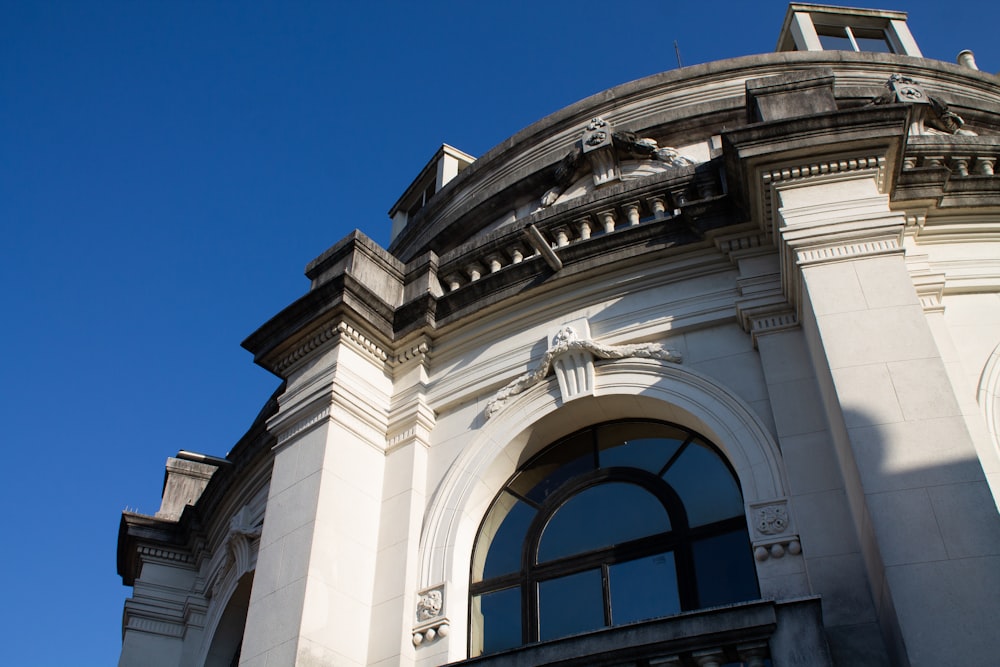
{"type": "Point", "coordinates": [794, 255]}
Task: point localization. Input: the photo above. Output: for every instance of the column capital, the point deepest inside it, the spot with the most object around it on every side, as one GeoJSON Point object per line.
{"type": "Point", "coordinates": [833, 218]}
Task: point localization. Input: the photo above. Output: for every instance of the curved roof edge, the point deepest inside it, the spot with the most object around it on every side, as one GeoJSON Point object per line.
{"type": "Point", "coordinates": [526, 157]}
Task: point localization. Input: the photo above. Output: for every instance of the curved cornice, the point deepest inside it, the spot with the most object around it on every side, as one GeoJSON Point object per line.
{"type": "Point", "coordinates": [657, 101]}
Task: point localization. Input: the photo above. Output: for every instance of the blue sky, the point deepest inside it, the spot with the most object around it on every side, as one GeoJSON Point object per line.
{"type": "Point", "coordinates": [167, 169]}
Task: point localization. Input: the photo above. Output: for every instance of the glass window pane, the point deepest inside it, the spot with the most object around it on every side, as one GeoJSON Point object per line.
{"type": "Point", "coordinates": [496, 621]}
{"type": "Point", "coordinates": [638, 445]}
{"type": "Point", "coordinates": [601, 516]}
{"type": "Point", "coordinates": [871, 39]}
{"type": "Point", "coordinates": [724, 569]}
{"type": "Point", "coordinates": [834, 38]}
{"type": "Point", "coordinates": [705, 485]}
{"type": "Point", "coordinates": [643, 588]}
{"type": "Point", "coordinates": [498, 549]}
{"type": "Point", "coordinates": [553, 468]}
{"type": "Point", "coordinates": [569, 605]}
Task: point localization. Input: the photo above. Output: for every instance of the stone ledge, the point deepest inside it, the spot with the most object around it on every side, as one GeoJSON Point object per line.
{"type": "Point", "coordinates": [725, 629]}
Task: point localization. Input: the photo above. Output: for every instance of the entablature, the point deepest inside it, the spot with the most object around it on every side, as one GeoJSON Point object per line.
{"type": "Point", "coordinates": [676, 108]}
{"type": "Point", "coordinates": [952, 171]}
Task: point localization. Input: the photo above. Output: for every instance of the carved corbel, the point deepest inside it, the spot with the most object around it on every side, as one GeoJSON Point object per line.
{"type": "Point", "coordinates": [774, 532]}
{"type": "Point", "coordinates": [431, 620]}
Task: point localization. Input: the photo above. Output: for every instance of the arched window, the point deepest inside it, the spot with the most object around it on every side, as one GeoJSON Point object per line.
{"type": "Point", "coordinates": [617, 523]}
{"type": "Point", "coordinates": [228, 638]}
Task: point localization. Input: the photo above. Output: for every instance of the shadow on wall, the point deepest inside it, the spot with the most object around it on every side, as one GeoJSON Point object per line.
{"type": "Point", "coordinates": [930, 535]}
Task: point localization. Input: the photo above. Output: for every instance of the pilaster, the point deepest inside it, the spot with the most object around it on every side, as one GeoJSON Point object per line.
{"type": "Point", "coordinates": [830, 561]}
{"type": "Point", "coordinates": [157, 615]}
{"type": "Point", "coordinates": [313, 589]}
{"type": "Point", "coordinates": [913, 481]}
{"type": "Point", "coordinates": [404, 493]}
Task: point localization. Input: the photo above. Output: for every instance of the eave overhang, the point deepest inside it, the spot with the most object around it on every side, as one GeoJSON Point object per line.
{"type": "Point", "coordinates": [808, 146]}
{"type": "Point", "coordinates": [168, 539]}
{"type": "Point", "coordinates": [690, 100]}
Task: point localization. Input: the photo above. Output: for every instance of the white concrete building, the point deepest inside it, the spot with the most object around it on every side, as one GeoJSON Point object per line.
{"type": "Point", "coordinates": [702, 370]}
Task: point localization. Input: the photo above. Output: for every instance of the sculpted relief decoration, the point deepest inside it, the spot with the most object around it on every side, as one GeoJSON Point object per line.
{"type": "Point", "coordinates": [610, 155]}
{"type": "Point", "coordinates": [932, 114]}
{"type": "Point", "coordinates": [431, 620]}
{"type": "Point", "coordinates": [774, 533]}
{"type": "Point", "coordinates": [572, 358]}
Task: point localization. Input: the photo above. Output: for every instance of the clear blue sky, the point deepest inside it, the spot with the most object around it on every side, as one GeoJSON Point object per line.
{"type": "Point", "coordinates": [168, 168]}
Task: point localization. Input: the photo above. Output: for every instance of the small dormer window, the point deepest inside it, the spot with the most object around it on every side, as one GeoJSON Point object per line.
{"type": "Point", "coordinates": [811, 27]}
{"type": "Point", "coordinates": [446, 164]}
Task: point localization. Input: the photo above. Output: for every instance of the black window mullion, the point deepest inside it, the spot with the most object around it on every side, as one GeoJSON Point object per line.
{"type": "Point", "coordinates": [687, 587]}
{"type": "Point", "coordinates": [677, 455]}
{"type": "Point", "coordinates": [606, 585]}
{"type": "Point", "coordinates": [529, 611]}
{"type": "Point", "coordinates": [527, 501]}
{"type": "Point", "coordinates": [496, 583]}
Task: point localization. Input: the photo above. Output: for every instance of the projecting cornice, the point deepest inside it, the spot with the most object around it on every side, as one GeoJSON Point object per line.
{"type": "Point", "coordinates": [142, 537]}
{"type": "Point", "coordinates": [953, 171]}
{"type": "Point", "coordinates": [669, 106]}
{"type": "Point", "coordinates": [356, 288]}
{"type": "Point", "coordinates": [363, 297]}
{"type": "Point", "coordinates": [800, 128]}
{"type": "Point", "coordinates": [835, 148]}
{"type": "Point", "coordinates": [761, 156]}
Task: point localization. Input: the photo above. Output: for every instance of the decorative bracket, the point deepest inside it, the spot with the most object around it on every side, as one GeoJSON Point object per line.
{"type": "Point", "coordinates": [431, 619]}
{"type": "Point", "coordinates": [774, 531]}
{"type": "Point", "coordinates": [573, 359]}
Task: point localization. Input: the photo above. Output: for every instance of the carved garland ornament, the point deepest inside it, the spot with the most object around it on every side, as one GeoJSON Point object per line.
{"type": "Point", "coordinates": [568, 341]}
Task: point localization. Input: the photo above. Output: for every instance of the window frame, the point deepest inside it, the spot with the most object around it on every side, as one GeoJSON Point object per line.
{"type": "Point", "coordinates": [679, 540]}
{"type": "Point", "coordinates": [826, 30]}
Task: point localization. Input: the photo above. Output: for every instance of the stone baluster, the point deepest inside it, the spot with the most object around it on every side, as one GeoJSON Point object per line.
{"type": "Point", "coordinates": [960, 165]}
{"type": "Point", "coordinates": [453, 280]}
{"type": "Point", "coordinates": [632, 213]}
{"type": "Point", "coordinates": [516, 254]}
{"type": "Point", "coordinates": [658, 205]}
{"type": "Point", "coordinates": [493, 260]}
{"type": "Point", "coordinates": [608, 220]}
{"type": "Point", "coordinates": [680, 195]}
{"type": "Point", "coordinates": [583, 224]}
{"type": "Point", "coordinates": [475, 271]}
{"type": "Point", "coordinates": [562, 236]}
{"type": "Point", "coordinates": [984, 166]}
{"type": "Point", "coordinates": [933, 160]}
